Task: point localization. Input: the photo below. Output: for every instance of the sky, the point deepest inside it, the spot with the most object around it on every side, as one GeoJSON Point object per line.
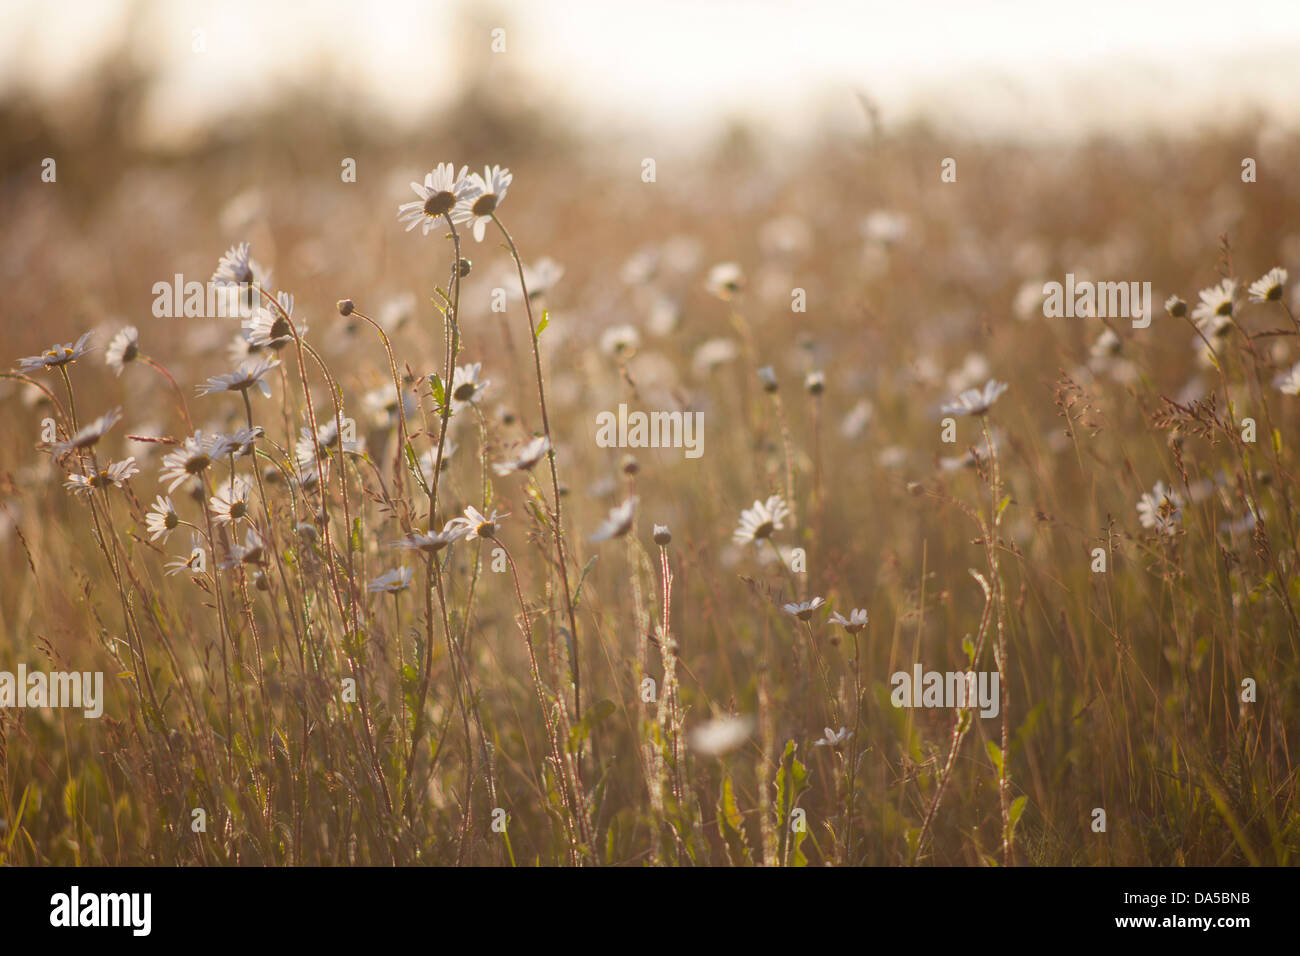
{"type": "Point", "coordinates": [1017, 67]}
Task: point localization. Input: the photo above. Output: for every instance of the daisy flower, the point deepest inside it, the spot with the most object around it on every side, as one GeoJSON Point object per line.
{"type": "Point", "coordinates": [238, 268]}
{"type": "Point", "coordinates": [491, 189]}
{"type": "Point", "coordinates": [884, 227]}
{"type": "Point", "coordinates": [381, 404]}
{"type": "Point", "coordinates": [1175, 306]}
{"type": "Point", "coordinates": [1269, 287]}
{"type": "Point", "coordinates": [430, 458]}
{"type": "Point", "coordinates": [191, 562]}
{"type": "Point", "coordinates": [161, 519]}
{"type": "Point", "coordinates": [725, 280]}
{"type": "Point", "coordinates": [721, 736]}
{"type": "Point", "coordinates": [57, 356]}
{"type": "Point", "coordinates": [620, 340]}
{"type": "Point", "coordinates": [242, 349]}
{"type": "Point", "coordinates": [123, 348]}
{"type": "Point", "coordinates": [758, 522]}
{"type": "Point", "coordinates": [833, 738]}
{"type": "Point", "coordinates": [252, 551]}
{"type": "Point", "coordinates": [618, 523]}
{"type": "Point", "coordinates": [89, 434]}
{"type": "Point", "coordinates": [268, 328]}
{"type": "Point", "coordinates": [1107, 344]}
{"type": "Point", "coordinates": [663, 537]}
{"type": "Point", "coordinates": [525, 457]}
{"type": "Point", "coordinates": [539, 278]}
{"type": "Point", "coordinates": [113, 475]}
{"type": "Point", "coordinates": [1161, 509]}
{"type": "Point", "coordinates": [466, 386]}
{"type": "Point", "coordinates": [431, 542]}
{"type": "Point", "coordinates": [327, 434]}
{"type": "Point", "coordinates": [973, 401]}
{"type": "Point", "coordinates": [193, 457]}
{"type": "Point", "coordinates": [392, 582]}
{"type": "Point", "coordinates": [444, 193]}
{"type": "Point", "coordinates": [1289, 381]}
{"type": "Point", "coordinates": [235, 267]}
{"type": "Point", "coordinates": [803, 610]}
{"type": "Point", "coordinates": [1216, 303]}
{"type": "Point", "coordinates": [230, 503]}
{"type": "Point", "coordinates": [474, 524]}
{"type": "Point", "coordinates": [711, 354]}
{"type": "Point", "coordinates": [249, 374]}
{"type": "Point", "coordinates": [855, 622]}
{"type": "Point", "coordinates": [242, 441]}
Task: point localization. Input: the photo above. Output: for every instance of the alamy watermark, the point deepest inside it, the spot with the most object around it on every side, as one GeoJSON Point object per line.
{"type": "Point", "coordinates": [947, 689]}
{"type": "Point", "coordinates": [55, 689]}
{"type": "Point", "coordinates": [204, 300]}
{"type": "Point", "coordinates": [626, 429]}
{"type": "Point", "coordinates": [1098, 300]}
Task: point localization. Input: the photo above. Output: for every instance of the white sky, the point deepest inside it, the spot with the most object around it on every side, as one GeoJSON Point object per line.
{"type": "Point", "coordinates": [1028, 66]}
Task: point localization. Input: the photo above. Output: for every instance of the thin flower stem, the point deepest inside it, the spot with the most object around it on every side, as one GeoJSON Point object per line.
{"type": "Point", "coordinates": [555, 480]}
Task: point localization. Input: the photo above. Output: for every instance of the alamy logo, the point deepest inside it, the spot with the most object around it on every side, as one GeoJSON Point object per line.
{"type": "Point", "coordinates": [652, 430]}
{"type": "Point", "coordinates": [56, 689]}
{"type": "Point", "coordinates": [203, 300]}
{"type": "Point", "coordinates": [75, 908]}
{"type": "Point", "coordinates": [947, 689]}
{"type": "Point", "coordinates": [1098, 300]}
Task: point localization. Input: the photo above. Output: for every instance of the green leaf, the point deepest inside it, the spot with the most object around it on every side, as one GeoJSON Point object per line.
{"type": "Point", "coordinates": [791, 780]}
{"type": "Point", "coordinates": [438, 390]}
{"type": "Point", "coordinates": [578, 590]}
{"type": "Point", "coordinates": [1002, 505]}
{"type": "Point", "coordinates": [968, 648]}
{"type": "Point", "coordinates": [1013, 814]}
{"type": "Point", "coordinates": [995, 754]}
{"type": "Point", "coordinates": [541, 326]}
{"type": "Point", "coordinates": [731, 825]}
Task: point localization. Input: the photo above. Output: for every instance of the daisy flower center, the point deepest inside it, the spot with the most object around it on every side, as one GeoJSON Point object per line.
{"type": "Point", "coordinates": [439, 203]}
{"type": "Point", "coordinates": [171, 520]}
{"type": "Point", "coordinates": [485, 205]}
{"type": "Point", "coordinates": [197, 464]}
{"type": "Point", "coordinates": [238, 509]}
{"type": "Point", "coordinates": [465, 392]}
{"type": "Point", "coordinates": [486, 529]}
{"type": "Point", "coordinates": [764, 530]}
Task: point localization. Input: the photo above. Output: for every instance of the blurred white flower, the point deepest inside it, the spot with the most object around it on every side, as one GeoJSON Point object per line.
{"type": "Point", "coordinates": [525, 457]}
{"type": "Point", "coordinates": [725, 280]}
{"type": "Point", "coordinates": [89, 434]}
{"type": "Point", "coordinates": [620, 340]}
{"type": "Point", "coordinates": [973, 401]}
{"type": "Point", "coordinates": [1161, 509]}
{"type": "Point", "coordinates": [721, 736]}
{"type": "Point", "coordinates": [123, 348]}
{"type": "Point", "coordinates": [760, 521]}
{"type": "Point", "coordinates": [392, 582]}
{"type": "Point", "coordinates": [618, 523]}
